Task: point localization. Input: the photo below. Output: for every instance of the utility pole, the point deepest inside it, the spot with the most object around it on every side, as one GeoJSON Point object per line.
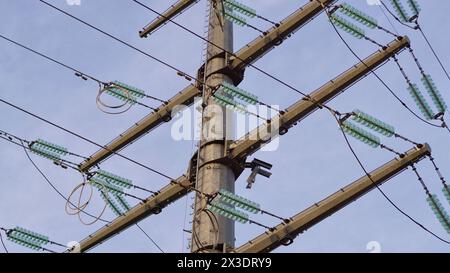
{"type": "Point", "coordinates": [219, 160]}
{"type": "Point", "coordinates": [214, 233]}
{"type": "Point", "coordinates": [238, 150]}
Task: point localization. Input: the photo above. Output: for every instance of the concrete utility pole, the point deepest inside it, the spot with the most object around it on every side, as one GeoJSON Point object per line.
{"type": "Point", "coordinates": [219, 160]}
{"type": "Point", "coordinates": [214, 233]}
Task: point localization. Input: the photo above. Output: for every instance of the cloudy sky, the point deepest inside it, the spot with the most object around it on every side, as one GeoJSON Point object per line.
{"type": "Point", "coordinates": [311, 162]}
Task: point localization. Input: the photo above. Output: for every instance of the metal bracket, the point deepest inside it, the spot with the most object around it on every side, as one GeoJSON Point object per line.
{"type": "Point", "coordinates": [237, 76]}
{"type": "Point", "coordinates": [236, 166]}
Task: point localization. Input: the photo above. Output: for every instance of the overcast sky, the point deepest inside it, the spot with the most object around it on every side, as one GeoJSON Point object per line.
{"type": "Point", "coordinates": [311, 162]}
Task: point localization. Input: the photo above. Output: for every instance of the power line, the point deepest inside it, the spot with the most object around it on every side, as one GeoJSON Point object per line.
{"type": "Point", "coordinates": [165, 63]}
{"type": "Point", "coordinates": [84, 138]}
{"type": "Point", "coordinates": [72, 133]}
{"type": "Point", "coordinates": [106, 84]}
{"type": "Point", "coordinates": [440, 213]}
{"type": "Point", "coordinates": [3, 243]}
{"type": "Point", "coordinates": [120, 41]}
{"type": "Point", "coordinates": [418, 27]}
{"type": "Point", "coordinates": [437, 170]}
{"type": "Point", "coordinates": [130, 45]}
{"type": "Point", "coordinates": [150, 238]}
{"type": "Point", "coordinates": [395, 16]}
{"type": "Point", "coordinates": [67, 200]}
{"type": "Point", "coordinates": [20, 142]}
{"type": "Point", "coordinates": [434, 52]}
{"type": "Point", "coordinates": [56, 189]}
{"type": "Point", "coordinates": [389, 20]}
{"type": "Point", "coordinates": [78, 73]}
{"type": "Point", "coordinates": [439, 116]}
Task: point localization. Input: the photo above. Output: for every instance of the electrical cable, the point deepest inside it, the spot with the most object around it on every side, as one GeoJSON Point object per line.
{"type": "Point", "coordinates": [3, 243]}
{"type": "Point", "coordinates": [127, 104]}
{"type": "Point", "coordinates": [54, 188]}
{"type": "Point", "coordinates": [77, 209]}
{"type": "Point", "coordinates": [437, 170]}
{"type": "Point", "coordinates": [360, 165]}
{"type": "Point", "coordinates": [97, 218]}
{"type": "Point", "coordinates": [101, 82]}
{"type": "Point", "coordinates": [119, 40]}
{"type": "Point", "coordinates": [82, 75]}
{"type": "Point", "coordinates": [361, 60]}
{"type": "Point", "coordinates": [389, 20]}
{"type": "Point", "coordinates": [150, 238]}
{"type": "Point", "coordinates": [194, 236]}
{"type": "Point", "coordinates": [8, 137]}
{"type": "Point", "coordinates": [77, 72]}
{"type": "Point", "coordinates": [134, 48]}
{"type": "Point", "coordinates": [439, 116]}
{"type": "Point", "coordinates": [420, 179]}
{"type": "Point", "coordinates": [215, 223]}
{"type": "Point", "coordinates": [418, 27]}
{"type": "Point", "coordinates": [430, 196]}
{"type": "Point", "coordinates": [434, 51]}
{"type": "Point", "coordinates": [84, 138]}
{"type": "Point", "coordinates": [62, 162]}
{"type": "Point", "coordinates": [395, 16]}
{"type": "Point", "coordinates": [80, 207]}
